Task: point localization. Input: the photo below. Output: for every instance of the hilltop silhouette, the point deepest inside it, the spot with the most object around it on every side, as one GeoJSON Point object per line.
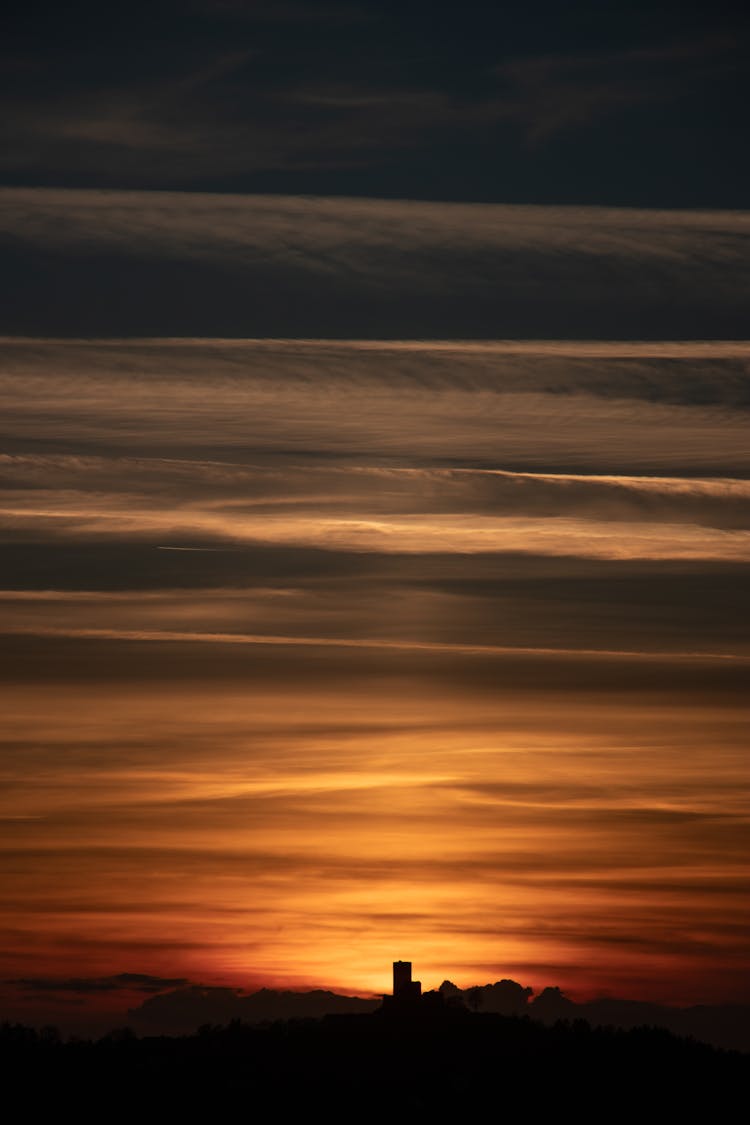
{"type": "Point", "coordinates": [182, 1010]}
{"type": "Point", "coordinates": [437, 1055]}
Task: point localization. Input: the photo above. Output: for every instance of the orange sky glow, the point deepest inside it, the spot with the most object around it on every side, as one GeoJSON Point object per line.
{"type": "Point", "coordinates": [326, 665]}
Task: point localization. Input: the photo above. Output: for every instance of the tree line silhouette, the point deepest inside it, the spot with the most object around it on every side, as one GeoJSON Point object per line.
{"type": "Point", "coordinates": [439, 1060]}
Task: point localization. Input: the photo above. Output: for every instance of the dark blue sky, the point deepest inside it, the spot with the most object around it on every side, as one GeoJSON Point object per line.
{"type": "Point", "coordinates": [630, 103]}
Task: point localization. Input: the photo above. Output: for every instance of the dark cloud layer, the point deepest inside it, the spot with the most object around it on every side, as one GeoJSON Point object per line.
{"type": "Point", "coordinates": [156, 264]}
{"type": "Point", "coordinates": [121, 982]}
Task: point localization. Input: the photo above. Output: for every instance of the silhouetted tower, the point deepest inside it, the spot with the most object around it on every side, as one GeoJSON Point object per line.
{"type": "Point", "coordinates": [404, 988]}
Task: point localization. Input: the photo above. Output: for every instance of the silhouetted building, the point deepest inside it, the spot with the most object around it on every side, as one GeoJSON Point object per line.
{"type": "Point", "coordinates": [408, 1003]}
{"type": "Point", "coordinates": [403, 986]}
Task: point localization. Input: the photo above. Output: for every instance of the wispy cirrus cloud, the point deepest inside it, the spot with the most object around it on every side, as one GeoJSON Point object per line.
{"type": "Point", "coordinates": [548, 407]}
{"type": "Point", "coordinates": [409, 492]}
{"type": "Point", "coordinates": [128, 982]}
{"type": "Point", "coordinates": [554, 93]}
{"type": "Point", "coordinates": [243, 265]}
{"type": "Point", "coordinates": [327, 98]}
{"type": "Point", "coordinates": [91, 516]}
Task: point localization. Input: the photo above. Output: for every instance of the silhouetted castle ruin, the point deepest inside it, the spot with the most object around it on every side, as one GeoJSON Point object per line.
{"type": "Point", "coordinates": [404, 988]}
{"type": "Point", "coordinates": [407, 993]}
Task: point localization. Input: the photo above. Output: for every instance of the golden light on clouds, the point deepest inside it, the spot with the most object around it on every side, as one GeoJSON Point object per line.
{"type": "Point", "coordinates": [349, 654]}
{"type": "Point", "coordinates": [301, 837]}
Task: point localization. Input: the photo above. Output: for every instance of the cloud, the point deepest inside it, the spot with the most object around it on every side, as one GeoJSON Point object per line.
{"type": "Point", "coordinates": [90, 517]}
{"type": "Point", "coordinates": [335, 811]}
{"type": "Point", "coordinates": [187, 1008]}
{"type": "Point", "coordinates": [285, 266]}
{"type": "Point", "coordinates": [446, 648]}
{"type": "Point", "coordinates": [285, 640]}
{"type": "Point", "coordinates": [520, 494]}
{"type": "Point", "coordinates": [550, 408]}
{"type": "Point", "coordinates": [334, 98]}
{"type": "Point", "coordinates": [178, 504]}
{"type": "Point", "coordinates": [329, 236]}
{"type": "Point", "coordinates": [234, 488]}
{"type": "Point", "coordinates": [553, 93]}
{"type": "Point", "coordinates": [130, 982]}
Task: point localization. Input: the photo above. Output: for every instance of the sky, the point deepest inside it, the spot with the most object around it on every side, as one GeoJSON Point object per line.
{"type": "Point", "coordinates": [632, 102]}
{"type": "Point", "coordinates": [374, 487]}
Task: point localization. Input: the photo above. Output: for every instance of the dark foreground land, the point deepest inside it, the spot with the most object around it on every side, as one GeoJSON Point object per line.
{"type": "Point", "coordinates": [446, 1066]}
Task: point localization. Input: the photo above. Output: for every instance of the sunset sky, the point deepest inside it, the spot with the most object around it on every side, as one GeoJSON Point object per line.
{"type": "Point", "coordinates": [375, 500]}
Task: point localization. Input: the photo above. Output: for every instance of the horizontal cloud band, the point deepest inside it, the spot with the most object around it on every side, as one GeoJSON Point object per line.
{"type": "Point", "coordinates": [160, 263]}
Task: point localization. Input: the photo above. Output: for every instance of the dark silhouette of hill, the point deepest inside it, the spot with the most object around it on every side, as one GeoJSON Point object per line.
{"type": "Point", "coordinates": [182, 1010]}
{"type": "Point", "coordinates": [440, 1061]}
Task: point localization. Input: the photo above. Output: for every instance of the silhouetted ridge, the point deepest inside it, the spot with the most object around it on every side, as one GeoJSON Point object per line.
{"type": "Point", "coordinates": [182, 1010]}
